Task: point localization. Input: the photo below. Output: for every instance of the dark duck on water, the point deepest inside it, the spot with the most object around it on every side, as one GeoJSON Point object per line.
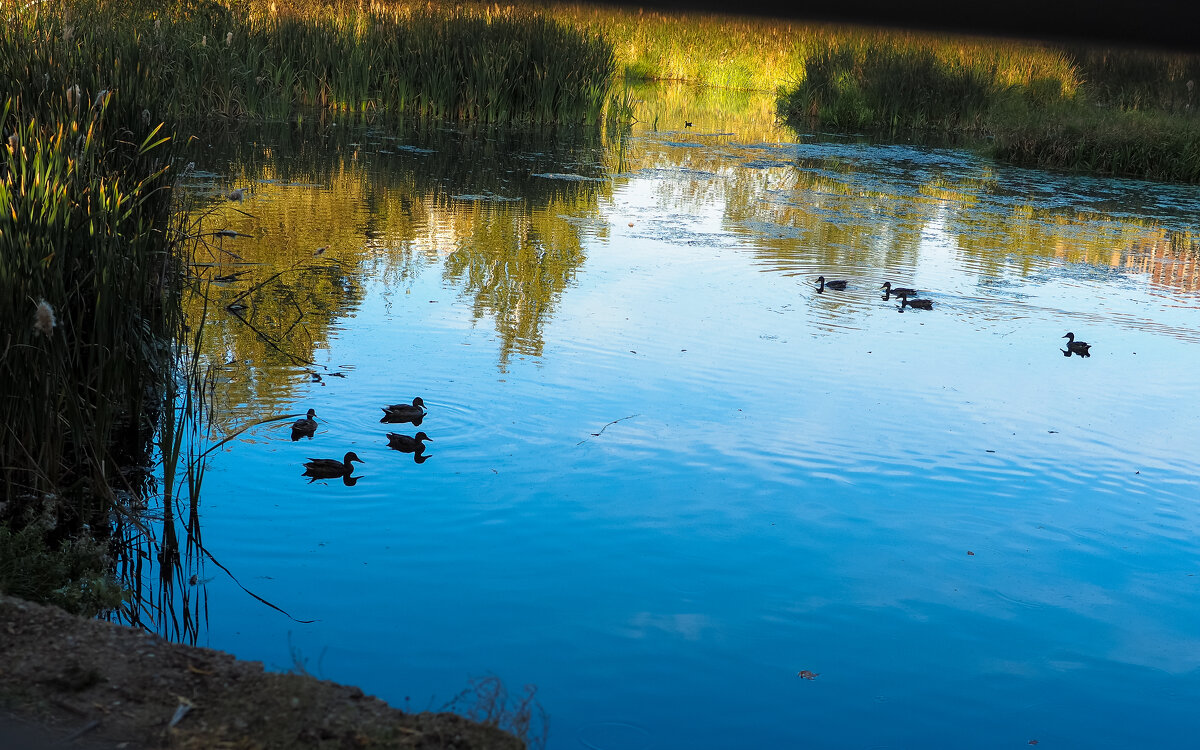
{"type": "Point", "coordinates": [888, 290]}
{"type": "Point", "coordinates": [330, 468]}
{"type": "Point", "coordinates": [413, 412]}
{"type": "Point", "coordinates": [920, 304]}
{"type": "Point", "coordinates": [305, 427]}
{"type": "Point", "coordinates": [409, 444]}
{"type": "Point", "coordinates": [839, 284]}
{"type": "Point", "coordinates": [406, 443]}
{"type": "Point", "coordinates": [1079, 348]}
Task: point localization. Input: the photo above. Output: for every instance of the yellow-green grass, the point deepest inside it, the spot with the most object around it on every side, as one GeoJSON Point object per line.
{"type": "Point", "coordinates": [184, 58]}
{"type": "Point", "coordinates": [1150, 145]}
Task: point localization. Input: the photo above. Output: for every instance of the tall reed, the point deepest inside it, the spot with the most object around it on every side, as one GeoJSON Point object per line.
{"type": "Point", "coordinates": [890, 80]}
{"type": "Point", "coordinates": [184, 58]}
{"type": "Point", "coordinates": [86, 288]}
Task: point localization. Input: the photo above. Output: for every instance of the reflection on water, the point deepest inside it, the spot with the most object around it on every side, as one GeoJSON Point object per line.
{"type": "Point", "coordinates": [671, 474]}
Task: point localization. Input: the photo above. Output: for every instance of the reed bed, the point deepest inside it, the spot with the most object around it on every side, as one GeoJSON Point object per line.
{"type": "Point", "coordinates": [83, 268]}
{"type": "Point", "coordinates": [706, 49]}
{"type": "Point", "coordinates": [87, 305]}
{"type": "Point", "coordinates": [1148, 145]}
{"type": "Point", "coordinates": [187, 59]}
{"type": "Point", "coordinates": [895, 81]}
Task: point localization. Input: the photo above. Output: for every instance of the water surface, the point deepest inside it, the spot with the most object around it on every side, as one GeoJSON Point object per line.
{"type": "Point", "coordinates": [667, 475]}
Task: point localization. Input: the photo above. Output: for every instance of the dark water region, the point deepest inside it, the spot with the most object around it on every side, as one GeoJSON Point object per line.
{"type": "Point", "coordinates": [693, 501]}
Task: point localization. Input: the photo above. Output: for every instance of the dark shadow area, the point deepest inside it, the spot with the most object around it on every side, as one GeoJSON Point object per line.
{"type": "Point", "coordinates": [1156, 23]}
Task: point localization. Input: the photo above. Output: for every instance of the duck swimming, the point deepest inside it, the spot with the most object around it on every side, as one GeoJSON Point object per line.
{"type": "Point", "coordinates": [1077, 347]}
{"type": "Point", "coordinates": [407, 444]}
{"type": "Point", "coordinates": [405, 412]}
{"type": "Point", "coordinates": [329, 468]}
{"type": "Point", "coordinates": [306, 426]}
{"type": "Point", "coordinates": [888, 290]}
{"type": "Point", "coordinates": [920, 304]}
{"type": "Point", "coordinates": [839, 284]}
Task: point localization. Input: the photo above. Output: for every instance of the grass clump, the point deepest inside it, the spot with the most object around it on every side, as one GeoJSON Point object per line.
{"type": "Point", "coordinates": [74, 574]}
{"type": "Point", "coordinates": [888, 81]}
{"type": "Point", "coordinates": [1150, 145]}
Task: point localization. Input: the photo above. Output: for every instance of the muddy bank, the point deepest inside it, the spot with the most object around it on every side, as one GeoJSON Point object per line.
{"type": "Point", "coordinates": [100, 685]}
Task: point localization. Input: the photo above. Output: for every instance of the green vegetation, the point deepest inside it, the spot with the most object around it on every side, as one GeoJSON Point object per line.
{"type": "Point", "coordinates": [1102, 111]}
{"type": "Point", "coordinates": [87, 296]}
{"type": "Point", "coordinates": [192, 58]}
{"type": "Point", "coordinates": [902, 82]}
{"type": "Point", "coordinates": [74, 574]}
{"type": "Point", "coordinates": [704, 49]}
{"type": "Point", "coordinates": [1125, 113]}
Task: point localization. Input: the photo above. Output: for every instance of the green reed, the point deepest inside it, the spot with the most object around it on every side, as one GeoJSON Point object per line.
{"type": "Point", "coordinates": [185, 58]}
{"type": "Point", "coordinates": [1150, 145]}
{"type": "Point", "coordinates": [706, 49]}
{"type": "Point", "coordinates": [87, 298]}
{"type": "Point", "coordinates": [894, 81]}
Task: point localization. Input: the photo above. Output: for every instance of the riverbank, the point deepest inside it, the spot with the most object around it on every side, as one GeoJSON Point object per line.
{"type": "Point", "coordinates": [107, 685]}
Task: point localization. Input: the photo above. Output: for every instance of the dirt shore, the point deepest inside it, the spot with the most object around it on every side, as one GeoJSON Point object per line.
{"type": "Point", "coordinates": [70, 682]}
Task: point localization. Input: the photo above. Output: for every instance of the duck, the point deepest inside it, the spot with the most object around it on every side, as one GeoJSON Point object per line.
{"type": "Point", "coordinates": [920, 304]}
{"type": "Point", "coordinates": [306, 426]}
{"type": "Point", "coordinates": [839, 284]}
{"type": "Point", "coordinates": [889, 290]}
{"type": "Point", "coordinates": [406, 444]}
{"type": "Point", "coordinates": [1077, 347]}
{"type": "Point", "coordinates": [404, 412]}
{"type": "Point", "coordinates": [328, 468]}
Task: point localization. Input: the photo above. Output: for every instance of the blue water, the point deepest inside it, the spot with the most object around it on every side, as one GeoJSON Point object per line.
{"type": "Point", "coordinates": [693, 476]}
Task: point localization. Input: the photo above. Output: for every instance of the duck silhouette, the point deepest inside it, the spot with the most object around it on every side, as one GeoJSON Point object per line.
{"type": "Point", "coordinates": [330, 468]}
{"type": "Point", "coordinates": [305, 427]}
{"type": "Point", "coordinates": [413, 412]}
{"type": "Point", "coordinates": [920, 304]}
{"type": "Point", "coordinates": [406, 443]}
{"type": "Point", "coordinates": [888, 290]}
{"type": "Point", "coordinates": [838, 284]}
{"type": "Point", "coordinates": [1078, 348]}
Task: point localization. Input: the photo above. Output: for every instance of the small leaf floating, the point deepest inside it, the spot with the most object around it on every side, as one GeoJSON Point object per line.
{"type": "Point", "coordinates": [807, 674]}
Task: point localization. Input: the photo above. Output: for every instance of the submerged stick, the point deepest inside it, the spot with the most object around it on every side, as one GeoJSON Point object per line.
{"type": "Point", "coordinates": [605, 427]}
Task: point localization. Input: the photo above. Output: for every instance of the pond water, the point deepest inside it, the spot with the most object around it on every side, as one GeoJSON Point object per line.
{"type": "Point", "coordinates": [691, 499]}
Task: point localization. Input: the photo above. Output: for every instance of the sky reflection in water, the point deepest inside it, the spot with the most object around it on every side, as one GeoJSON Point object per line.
{"type": "Point", "coordinates": [973, 540]}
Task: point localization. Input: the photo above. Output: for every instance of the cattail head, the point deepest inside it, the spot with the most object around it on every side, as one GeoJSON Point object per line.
{"type": "Point", "coordinates": [43, 319]}
{"type": "Point", "coordinates": [229, 39]}
{"type": "Point", "coordinates": [14, 140]}
{"type": "Point", "coordinates": [204, 41]}
{"type": "Point", "coordinates": [74, 96]}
